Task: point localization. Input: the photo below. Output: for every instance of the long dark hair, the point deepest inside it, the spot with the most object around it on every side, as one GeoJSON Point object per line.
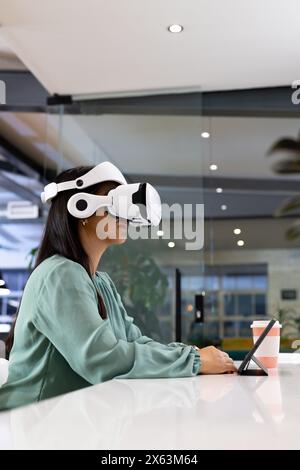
{"type": "Point", "coordinates": [60, 235]}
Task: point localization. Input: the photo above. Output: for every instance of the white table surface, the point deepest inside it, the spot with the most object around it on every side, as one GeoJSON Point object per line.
{"type": "Point", "coordinates": [203, 412]}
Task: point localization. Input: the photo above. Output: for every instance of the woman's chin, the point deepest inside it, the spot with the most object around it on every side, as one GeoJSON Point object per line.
{"type": "Point", "coordinates": [118, 241]}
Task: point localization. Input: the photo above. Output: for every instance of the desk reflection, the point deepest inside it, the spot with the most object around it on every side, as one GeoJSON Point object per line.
{"type": "Point", "coordinates": [221, 411]}
{"type": "Point", "coordinates": [269, 393]}
{"type": "Point", "coordinates": [104, 416]}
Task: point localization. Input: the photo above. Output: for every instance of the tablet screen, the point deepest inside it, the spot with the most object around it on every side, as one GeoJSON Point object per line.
{"type": "Point", "coordinates": [242, 370]}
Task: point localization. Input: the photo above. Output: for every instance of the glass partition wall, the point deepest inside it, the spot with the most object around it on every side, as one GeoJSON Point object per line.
{"type": "Point", "coordinates": [248, 267]}
{"type": "Point", "coordinates": [152, 269]}
{"type": "Point", "coordinates": [252, 256]}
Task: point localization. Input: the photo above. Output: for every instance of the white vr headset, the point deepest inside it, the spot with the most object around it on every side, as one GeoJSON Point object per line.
{"type": "Point", "coordinates": [139, 203]}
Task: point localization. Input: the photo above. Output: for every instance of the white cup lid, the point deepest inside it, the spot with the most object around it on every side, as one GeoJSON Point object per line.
{"type": "Point", "coordinates": [264, 323]}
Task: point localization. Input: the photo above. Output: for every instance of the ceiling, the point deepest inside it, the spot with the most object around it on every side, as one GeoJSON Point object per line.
{"type": "Point", "coordinates": [167, 151]}
{"type": "Point", "coordinates": [20, 237]}
{"type": "Point", "coordinates": [8, 59]}
{"type": "Point", "coordinates": [47, 139]}
{"type": "Point", "coordinates": [156, 145]}
{"type": "Point", "coordinates": [124, 48]}
{"type": "Point", "coordinates": [169, 148]}
{"type": "Point", "coordinates": [172, 145]}
{"type": "Point", "coordinates": [259, 234]}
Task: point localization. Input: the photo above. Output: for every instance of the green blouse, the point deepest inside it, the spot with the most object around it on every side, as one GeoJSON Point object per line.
{"type": "Point", "coordinates": [62, 344]}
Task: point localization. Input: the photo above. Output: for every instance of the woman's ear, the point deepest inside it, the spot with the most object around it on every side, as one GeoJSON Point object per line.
{"type": "Point", "coordinates": [101, 212]}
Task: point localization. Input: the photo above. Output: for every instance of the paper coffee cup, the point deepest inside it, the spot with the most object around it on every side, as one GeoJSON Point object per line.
{"type": "Point", "coordinates": [268, 351]}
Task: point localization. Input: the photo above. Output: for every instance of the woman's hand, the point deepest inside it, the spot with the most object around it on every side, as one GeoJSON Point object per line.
{"type": "Point", "coordinates": [214, 361]}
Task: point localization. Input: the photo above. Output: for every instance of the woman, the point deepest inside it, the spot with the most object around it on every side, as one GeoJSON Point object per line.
{"type": "Point", "coordinates": [72, 329]}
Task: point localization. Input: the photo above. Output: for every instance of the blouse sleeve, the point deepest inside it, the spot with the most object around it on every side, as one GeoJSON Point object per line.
{"type": "Point", "coordinates": [68, 316]}
{"type": "Point", "coordinates": [133, 333]}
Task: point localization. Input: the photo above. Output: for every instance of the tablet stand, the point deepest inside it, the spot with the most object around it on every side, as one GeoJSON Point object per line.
{"type": "Point", "coordinates": [261, 371]}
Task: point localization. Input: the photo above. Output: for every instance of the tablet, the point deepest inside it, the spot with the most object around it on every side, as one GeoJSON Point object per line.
{"type": "Point", "coordinates": [243, 369]}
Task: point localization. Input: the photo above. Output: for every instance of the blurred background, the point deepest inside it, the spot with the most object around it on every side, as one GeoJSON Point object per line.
{"type": "Point", "coordinates": [204, 118]}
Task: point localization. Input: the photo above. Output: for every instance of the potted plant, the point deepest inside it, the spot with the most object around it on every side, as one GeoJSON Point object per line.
{"type": "Point", "coordinates": [287, 166]}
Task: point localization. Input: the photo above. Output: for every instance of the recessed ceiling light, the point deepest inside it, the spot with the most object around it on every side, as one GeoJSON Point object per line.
{"type": "Point", "coordinates": [219, 190]}
{"type": "Point", "coordinates": [223, 207]}
{"type": "Point", "coordinates": [205, 135]}
{"type": "Point", "coordinates": [213, 167]}
{"type": "Point", "coordinates": [160, 233]}
{"type": "Point", "coordinates": [237, 231]}
{"type": "Point", "coordinates": [175, 28]}
{"type": "Point", "coordinates": [171, 244]}
{"type": "Point", "coordinates": [2, 282]}
{"type": "Point", "coordinates": [240, 243]}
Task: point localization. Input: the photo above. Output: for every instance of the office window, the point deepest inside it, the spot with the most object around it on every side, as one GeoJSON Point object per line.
{"type": "Point", "coordinates": [260, 304]}
{"type": "Point", "coordinates": [260, 282]}
{"type": "Point", "coordinates": [229, 328]}
{"type": "Point", "coordinates": [243, 328]}
{"type": "Point", "coordinates": [244, 305]}
{"type": "Point", "coordinates": [212, 329]}
{"type": "Point", "coordinates": [243, 297]}
{"type": "Point", "coordinates": [212, 303]}
{"type": "Point", "coordinates": [230, 305]}
{"type": "Point", "coordinates": [234, 297]}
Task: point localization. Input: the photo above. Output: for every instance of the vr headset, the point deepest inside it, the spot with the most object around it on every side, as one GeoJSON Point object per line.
{"type": "Point", "coordinates": [139, 203]}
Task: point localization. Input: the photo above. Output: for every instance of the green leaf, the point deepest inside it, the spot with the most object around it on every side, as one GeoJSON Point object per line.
{"type": "Point", "coordinates": [288, 205]}
{"type": "Point", "coordinates": [285, 144]}
{"type": "Point", "coordinates": [293, 232]}
{"type": "Point", "coordinates": [31, 256]}
{"type": "Point", "coordinates": [289, 166]}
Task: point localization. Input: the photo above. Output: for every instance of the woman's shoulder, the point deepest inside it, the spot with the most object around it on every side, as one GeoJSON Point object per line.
{"type": "Point", "coordinates": [59, 267]}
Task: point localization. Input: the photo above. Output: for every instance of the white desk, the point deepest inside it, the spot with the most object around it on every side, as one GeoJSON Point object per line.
{"type": "Point", "coordinates": [203, 412]}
